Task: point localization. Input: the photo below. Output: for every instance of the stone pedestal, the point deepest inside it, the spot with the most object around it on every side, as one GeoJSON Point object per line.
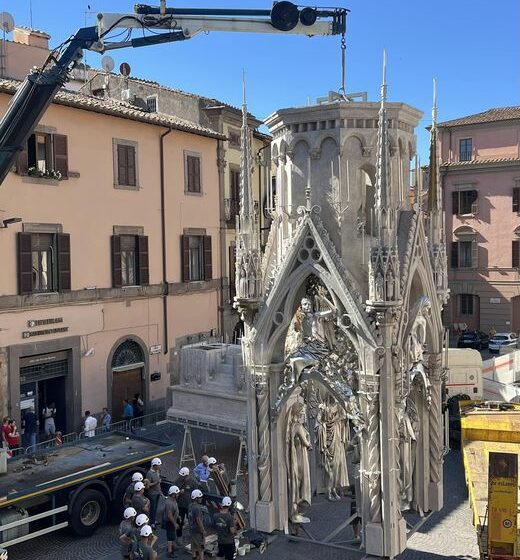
{"type": "Point", "coordinates": [374, 539]}
{"type": "Point", "coordinates": [435, 496]}
{"type": "Point", "coordinates": [265, 518]}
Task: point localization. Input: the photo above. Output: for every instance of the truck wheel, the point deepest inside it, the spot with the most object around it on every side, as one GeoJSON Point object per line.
{"type": "Point", "coordinates": [88, 512]}
{"type": "Point", "coordinates": [118, 504]}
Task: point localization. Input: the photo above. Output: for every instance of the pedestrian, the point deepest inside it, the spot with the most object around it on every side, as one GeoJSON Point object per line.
{"type": "Point", "coordinates": [49, 426]}
{"type": "Point", "coordinates": [355, 447]}
{"type": "Point", "coordinates": [106, 420]}
{"type": "Point", "coordinates": [139, 501]}
{"type": "Point", "coordinates": [128, 412]}
{"type": "Point", "coordinates": [202, 471]}
{"type": "Point", "coordinates": [129, 492]}
{"type": "Point", "coordinates": [30, 428]}
{"type": "Point", "coordinates": [153, 490]}
{"type": "Point", "coordinates": [197, 529]}
{"type": "Point", "coordinates": [138, 405]}
{"type": "Point", "coordinates": [13, 435]}
{"type": "Point", "coordinates": [186, 484]}
{"type": "Point", "coordinates": [170, 518]}
{"type": "Point", "coordinates": [5, 430]}
{"type": "Point", "coordinates": [225, 525]}
{"type": "Point", "coordinates": [126, 531]}
{"type": "Point", "coordinates": [90, 425]}
{"type": "Point", "coordinates": [144, 550]}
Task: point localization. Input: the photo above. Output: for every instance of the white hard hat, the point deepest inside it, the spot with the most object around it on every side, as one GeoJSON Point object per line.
{"type": "Point", "coordinates": [212, 461]}
{"type": "Point", "coordinates": [138, 486]}
{"type": "Point", "coordinates": [226, 501]}
{"type": "Point", "coordinates": [184, 471]}
{"type": "Point", "coordinates": [156, 462]}
{"type": "Point", "coordinates": [129, 512]}
{"type": "Point", "coordinates": [173, 490]}
{"type": "Point", "coordinates": [137, 477]}
{"type": "Point", "coordinates": [196, 494]}
{"type": "Point", "coordinates": [146, 531]}
{"type": "Point", "coordinates": [141, 519]}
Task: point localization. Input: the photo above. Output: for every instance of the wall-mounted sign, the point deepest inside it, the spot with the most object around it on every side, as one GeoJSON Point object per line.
{"type": "Point", "coordinates": [39, 322]}
{"type": "Point", "coordinates": [494, 300]}
{"type": "Point", "coordinates": [29, 334]}
{"type": "Point", "coordinates": [157, 349]}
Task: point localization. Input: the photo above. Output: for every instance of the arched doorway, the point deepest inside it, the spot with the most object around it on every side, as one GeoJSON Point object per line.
{"type": "Point", "coordinates": [127, 368]}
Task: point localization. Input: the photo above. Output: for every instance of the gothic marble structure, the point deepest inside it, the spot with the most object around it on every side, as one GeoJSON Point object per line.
{"type": "Point", "coordinates": [342, 318]}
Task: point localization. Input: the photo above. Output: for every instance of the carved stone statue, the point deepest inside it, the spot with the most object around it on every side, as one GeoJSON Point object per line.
{"type": "Point", "coordinates": [390, 286]}
{"type": "Point", "coordinates": [409, 432]}
{"type": "Point", "coordinates": [380, 288]}
{"type": "Point", "coordinates": [298, 445]}
{"type": "Point", "coordinates": [332, 440]}
{"type": "Point", "coordinates": [417, 338]}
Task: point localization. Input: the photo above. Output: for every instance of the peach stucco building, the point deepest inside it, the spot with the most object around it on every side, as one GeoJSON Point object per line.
{"type": "Point", "coordinates": [114, 258]}
{"type": "Point", "coordinates": [481, 178]}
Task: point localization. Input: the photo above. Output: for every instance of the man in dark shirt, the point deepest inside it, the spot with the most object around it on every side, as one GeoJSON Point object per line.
{"type": "Point", "coordinates": [129, 492]}
{"type": "Point", "coordinates": [30, 428]}
{"type": "Point", "coordinates": [186, 484]}
{"type": "Point", "coordinates": [170, 517]}
{"type": "Point", "coordinates": [126, 531]}
{"type": "Point", "coordinates": [197, 530]}
{"type": "Point", "coordinates": [139, 501]}
{"type": "Point", "coordinates": [144, 550]}
{"type": "Point", "coordinates": [226, 530]}
{"type": "Point", "coordinates": [153, 491]}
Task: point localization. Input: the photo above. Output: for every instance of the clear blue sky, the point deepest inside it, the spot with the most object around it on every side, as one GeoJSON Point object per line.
{"type": "Point", "coordinates": [471, 47]}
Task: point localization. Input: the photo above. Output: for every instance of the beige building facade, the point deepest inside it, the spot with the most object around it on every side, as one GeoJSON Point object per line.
{"type": "Point", "coordinates": [111, 257]}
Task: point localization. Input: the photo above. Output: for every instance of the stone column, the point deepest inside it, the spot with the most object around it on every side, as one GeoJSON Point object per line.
{"type": "Point", "coordinates": [436, 433]}
{"type": "Point", "coordinates": [4, 382]}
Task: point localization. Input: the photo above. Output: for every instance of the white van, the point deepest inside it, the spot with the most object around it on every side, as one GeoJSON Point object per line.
{"type": "Point", "coordinates": [464, 373]}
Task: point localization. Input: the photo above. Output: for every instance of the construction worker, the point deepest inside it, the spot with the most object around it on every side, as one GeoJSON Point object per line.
{"type": "Point", "coordinates": [226, 530]}
{"type": "Point", "coordinates": [144, 550]}
{"type": "Point", "coordinates": [129, 492]}
{"type": "Point", "coordinates": [170, 518]}
{"type": "Point", "coordinates": [126, 531]}
{"type": "Point", "coordinates": [153, 490]}
{"type": "Point", "coordinates": [186, 484]}
{"type": "Point", "coordinates": [197, 529]}
{"type": "Point", "coordinates": [139, 501]}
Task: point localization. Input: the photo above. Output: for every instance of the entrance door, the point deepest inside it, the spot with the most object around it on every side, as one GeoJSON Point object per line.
{"type": "Point", "coordinates": [516, 314]}
{"type": "Point", "coordinates": [125, 384]}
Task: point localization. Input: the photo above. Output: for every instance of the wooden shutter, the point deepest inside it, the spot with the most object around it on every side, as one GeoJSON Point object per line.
{"type": "Point", "coordinates": [474, 254]}
{"type": "Point", "coordinates": [185, 257]}
{"type": "Point", "coordinates": [196, 174]}
{"type": "Point", "coordinates": [516, 199]}
{"type": "Point", "coordinates": [454, 254]}
{"type": "Point", "coordinates": [208, 258]}
{"type": "Point", "coordinates": [22, 160]}
{"type": "Point", "coordinates": [144, 271]}
{"type": "Point", "coordinates": [455, 202]}
{"type": "Point", "coordinates": [61, 161]}
{"type": "Point", "coordinates": [232, 271]}
{"type": "Point", "coordinates": [25, 285]}
{"type": "Point", "coordinates": [131, 167]}
{"type": "Point", "coordinates": [474, 202]}
{"type": "Point", "coordinates": [117, 279]}
{"type": "Point", "coordinates": [64, 281]}
{"type": "Point", "coordinates": [122, 165]}
{"type": "Point", "coordinates": [515, 257]}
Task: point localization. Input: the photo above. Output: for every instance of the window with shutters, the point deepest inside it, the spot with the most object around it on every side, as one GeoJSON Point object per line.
{"type": "Point", "coordinates": [465, 202]}
{"type": "Point", "coordinates": [192, 173]}
{"type": "Point", "coordinates": [516, 199]}
{"type": "Point", "coordinates": [45, 156]}
{"type": "Point", "coordinates": [464, 251]}
{"type": "Point", "coordinates": [232, 204]}
{"type": "Point", "coordinates": [466, 304]}
{"type": "Point", "coordinates": [130, 260]}
{"type": "Point", "coordinates": [43, 262]}
{"type": "Point", "coordinates": [126, 169]}
{"type": "Point", "coordinates": [515, 257]}
{"type": "Point", "coordinates": [196, 258]}
{"type": "Point", "coordinates": [465, 149]}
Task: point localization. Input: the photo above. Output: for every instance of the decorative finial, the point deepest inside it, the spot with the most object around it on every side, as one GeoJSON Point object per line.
{"type": "Point", "coordinates": [434, 107]}
{"type": "Point", "coordinates": [383, 84]}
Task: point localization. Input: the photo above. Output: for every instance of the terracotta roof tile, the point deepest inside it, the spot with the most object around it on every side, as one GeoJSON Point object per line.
{"type": "Point", "coordinates": [118, 109]}
{"type": "Point", "coordinates": [480, 161]}
{"type": "Point", "coordinates": [491, 115]}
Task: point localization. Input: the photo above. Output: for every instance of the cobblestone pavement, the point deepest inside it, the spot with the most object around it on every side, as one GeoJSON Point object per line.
{"type": "Point", "coordinates": [447, 534]}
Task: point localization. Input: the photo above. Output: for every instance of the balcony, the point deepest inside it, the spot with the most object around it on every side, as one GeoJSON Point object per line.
{"type": "Point", "coordinates": [231, 211]}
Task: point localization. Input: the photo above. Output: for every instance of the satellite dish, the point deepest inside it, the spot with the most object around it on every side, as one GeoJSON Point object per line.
{"type": "Point", "coordinates": [6, 22]}
{"type": "Point", "coordinates": [107, 63]}
{"type": "Point", "coordinates": [125, 69]}
{"type": "Point", "coordinates": [284, 16]}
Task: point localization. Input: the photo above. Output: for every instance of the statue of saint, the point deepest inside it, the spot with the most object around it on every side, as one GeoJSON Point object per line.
{"type": "Point", "coordinates": [298, 445]}
{"type": "Point", "coordinates": [332, 439]}
{"type": "Point", "coordinates": [409, 432]}
{"type": "Point", "coordinates": [380, 288]}
{"type": "Point", "coordinates": [390, 286]}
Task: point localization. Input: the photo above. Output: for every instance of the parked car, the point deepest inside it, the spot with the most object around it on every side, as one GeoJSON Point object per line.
{"type": "Point", "coordinates": [502, 339]}
{"type": "Point", "coordinates": [473, 339]}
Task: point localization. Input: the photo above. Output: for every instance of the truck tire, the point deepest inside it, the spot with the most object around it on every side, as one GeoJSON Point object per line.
{"type": "Point", "coordinates": [88, 512]}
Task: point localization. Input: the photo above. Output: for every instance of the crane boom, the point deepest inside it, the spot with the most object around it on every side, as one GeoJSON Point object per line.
{"type": "Point", "coordinates": [37, 91]}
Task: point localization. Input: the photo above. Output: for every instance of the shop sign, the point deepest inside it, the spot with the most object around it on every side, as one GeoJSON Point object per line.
{"type": "Point", "coordinates": [156, 349]}
{"type": "Point", "coordinates": [31, 323]}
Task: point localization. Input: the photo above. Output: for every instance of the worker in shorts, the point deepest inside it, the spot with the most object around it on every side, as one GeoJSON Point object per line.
{"type": "Point", "coordinates": [126, 531]}
{"type": "Point", "coordinates": [197, 529]}
{"type": "Point", "coordinates": [129, 492]}
{"type": "Point", "coordinates": [139, 501]}
{"type": "Point", "coordinates": [186, 484]}
{"type": "Point", "coordinates": [225, 525]}
{"type": "Point", "coordinates": [170, 518]}
{"type": "Point", "coordinates": [153, 491]}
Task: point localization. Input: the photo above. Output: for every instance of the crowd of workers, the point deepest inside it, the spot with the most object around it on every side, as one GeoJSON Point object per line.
{"type": "Point", "coordinates": [183, 503]}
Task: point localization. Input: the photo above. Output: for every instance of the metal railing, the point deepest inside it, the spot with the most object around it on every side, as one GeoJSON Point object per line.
{"type": "Point", "coordinates": [131, 427]}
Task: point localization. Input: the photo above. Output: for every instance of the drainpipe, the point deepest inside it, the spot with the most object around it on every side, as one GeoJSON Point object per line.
{"type": "Point", "coordinates": [163, 242]}
{"type": "Point", "coordinates": [222, 235]}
